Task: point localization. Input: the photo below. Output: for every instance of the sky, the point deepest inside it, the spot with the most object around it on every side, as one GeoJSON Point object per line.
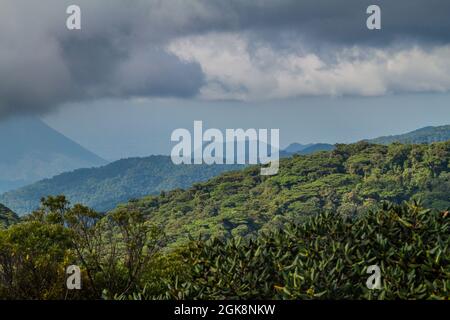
{"type": "Point", "coordinates": [311, 68]}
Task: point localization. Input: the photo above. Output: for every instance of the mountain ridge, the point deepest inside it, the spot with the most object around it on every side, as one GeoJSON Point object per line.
{"type": "Point", "coordinates": [428, 134]}
{"type": "Point", "coordinates": [103, 189]}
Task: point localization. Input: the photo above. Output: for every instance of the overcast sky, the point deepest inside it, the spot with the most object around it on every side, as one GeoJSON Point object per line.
{"type": "Point", "coordinates": [150, 66]}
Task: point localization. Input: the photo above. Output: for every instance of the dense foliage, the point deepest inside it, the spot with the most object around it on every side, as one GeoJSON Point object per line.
{"type": "Point", "coordinates": [326, 257]}
{"type": "Point", "coordinates": [113, 251]}
{"type": "Point", "coordinates": [123, 256]}
{"type": "Point", "coordinates": [7, 217]}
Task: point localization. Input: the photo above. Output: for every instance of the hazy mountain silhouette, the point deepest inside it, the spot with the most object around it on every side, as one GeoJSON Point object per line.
{"type": "Point", "coordinates": [296, 147]}
{"type": "Point", "coordinates": [31, 150]}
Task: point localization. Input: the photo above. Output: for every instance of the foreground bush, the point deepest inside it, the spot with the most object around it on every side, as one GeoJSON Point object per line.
{"type": "Point", "coordinates": [32, 259]}
{"type": "Point", "coordinates": [112, 251]}
{"type": "Point", "coordinates": [327, 258]}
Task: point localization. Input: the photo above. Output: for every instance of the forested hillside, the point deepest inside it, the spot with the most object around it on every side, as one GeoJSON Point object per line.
{"type": "Point", "coordinates": [104, 187]}
{"type": "Point", "coordinates": [350, 180]}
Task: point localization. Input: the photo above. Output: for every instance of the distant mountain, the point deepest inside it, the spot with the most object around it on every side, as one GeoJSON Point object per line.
{"type": "Point", "coordinates": [104, 187]}
{"type": "Point", "coordinates": [7, 217]}
{"type": "Point", "coordinates": [293, 148]}
{"type": "Point", "coordinates": [304, 149]}
{"type": "Point", "coordinates": [31, 151]}
{"type": "Point", "coordinates": [296, 147]}
{"type": "Point", "coordinates": [420, 136]}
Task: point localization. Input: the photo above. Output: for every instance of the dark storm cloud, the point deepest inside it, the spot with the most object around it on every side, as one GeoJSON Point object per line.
{"type": "Point", "coordinates": [100, 68]}
{"type": "Point", "coordinates": [342, 21]}
{"type": "Point", "coordinates": [120, 51]}
{"type": "Point", "coordinates": [115, 55]}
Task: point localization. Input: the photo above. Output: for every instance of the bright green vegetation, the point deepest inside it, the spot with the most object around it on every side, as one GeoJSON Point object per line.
{"type": "Point", "coordinates": [309, 232]}
{"type": "Point", "coordinates": [7, 217]}
{"type": "Point", "coordinates": [350, 180]}
{"type": "Point", "coordinates": [104, 187]}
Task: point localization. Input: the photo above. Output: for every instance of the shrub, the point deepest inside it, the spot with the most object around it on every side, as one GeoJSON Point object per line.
{"type": "Point", "coordinates": [326, 258]}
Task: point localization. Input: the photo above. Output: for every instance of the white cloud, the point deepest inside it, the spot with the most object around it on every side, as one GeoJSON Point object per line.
{"type": "Point", "coordinates": [236, 67]}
